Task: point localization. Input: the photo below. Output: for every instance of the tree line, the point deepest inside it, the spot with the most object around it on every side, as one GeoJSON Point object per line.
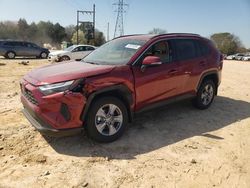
{"type": "Point", "coordinates": [228, 43]}
{"type": "Point", "coordinates": [46, 32]}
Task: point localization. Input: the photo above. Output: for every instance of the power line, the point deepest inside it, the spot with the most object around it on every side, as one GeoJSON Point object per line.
{"type": "Point", "coordinates": [119, 29]}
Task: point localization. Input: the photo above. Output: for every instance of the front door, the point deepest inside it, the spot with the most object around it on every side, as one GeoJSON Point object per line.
{"type": "Point", "coordinates": [159, 82]}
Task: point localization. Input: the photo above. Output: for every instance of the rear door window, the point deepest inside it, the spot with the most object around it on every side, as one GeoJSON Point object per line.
{"type": "Point", "coordinates": [88, 48]}
{"type": "Point", "coordinates": [79, 49]}
{"type": "Point", "coordinates": [82, 48]}
{"type": "Point", "coordinates": [184, 49]}
{"type": "Point", "coordinates": [27, 45]}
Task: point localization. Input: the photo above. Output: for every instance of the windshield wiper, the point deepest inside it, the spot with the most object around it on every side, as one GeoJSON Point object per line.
{"type": "Point", "coordinates": [93, 63]}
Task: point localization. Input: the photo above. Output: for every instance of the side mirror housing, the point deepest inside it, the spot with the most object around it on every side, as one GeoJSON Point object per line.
{"type": "Point", "coordinates": [150, 61]}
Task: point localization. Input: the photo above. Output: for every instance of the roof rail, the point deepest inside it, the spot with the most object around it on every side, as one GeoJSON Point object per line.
{"type": "Point", "coordinates": [130, 35]}
{"type": "Point", "coordinates": [157, 35]}
{"type": "Point", "coordinates": [179, 34]}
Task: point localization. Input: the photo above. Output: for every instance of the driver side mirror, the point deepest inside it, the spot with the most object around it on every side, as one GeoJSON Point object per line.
{"type": "Point", "coordinates": [150, 61]}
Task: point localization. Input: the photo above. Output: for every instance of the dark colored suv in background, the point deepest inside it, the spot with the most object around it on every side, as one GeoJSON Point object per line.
{"type": "Point", "coordinates": [127, 75]}
{"type": "Point", "coordinates": [10, 49]}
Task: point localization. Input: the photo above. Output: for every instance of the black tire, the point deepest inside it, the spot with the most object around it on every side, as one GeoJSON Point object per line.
{"type": "Point", "coordinates": [205, 95]}
{"type": "Point", "coordinates": [64, 58]}
{"type": "Point", "coordinates": [44, 55]}
{"type": "Point", "coordinates": [106, 124]}
{"type": "Point", "coordinates": [10, 55]}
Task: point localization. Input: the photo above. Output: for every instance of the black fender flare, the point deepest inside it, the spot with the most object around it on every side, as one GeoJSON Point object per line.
{"type": "Point", "coordinates": [214, 72]}
{"type": "Point", "coordinates": [126, 93]}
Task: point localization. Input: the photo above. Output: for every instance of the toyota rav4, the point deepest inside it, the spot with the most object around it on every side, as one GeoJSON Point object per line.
{"type": "Point", "coordinates": [125, 76]}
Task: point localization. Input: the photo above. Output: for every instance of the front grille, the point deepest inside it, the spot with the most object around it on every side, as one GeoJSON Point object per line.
{"type": "Point", "coordinates": [29, 95]}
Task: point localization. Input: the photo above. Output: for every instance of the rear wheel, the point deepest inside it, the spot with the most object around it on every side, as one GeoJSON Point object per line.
{"type": "Point", "coordinates": [107, 119]}
{"type": "Point", "coordinates": [205, 95]}
{"type": "Point", "coordinates": [10, 55]}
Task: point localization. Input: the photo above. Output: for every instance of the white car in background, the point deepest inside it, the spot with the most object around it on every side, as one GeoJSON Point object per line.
{"type": "Point", "coordinates": [230, 57]}
{"type": "Point", "coordinates": [239, 56]}
{"type": "Point", "coordinates": [246, 58]}
{"type": "Point", "coordinates": [74, 52]}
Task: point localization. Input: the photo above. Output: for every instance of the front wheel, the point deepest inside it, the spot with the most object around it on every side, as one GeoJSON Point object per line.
{"type": "Point", "coordinates": [64, 58]}
{"type": "Point", "coordinates": [107, 119]}
{"type": "Point", "coordinates": [205, 95]}
{"type": "Point", "coordinates": [44, 55]}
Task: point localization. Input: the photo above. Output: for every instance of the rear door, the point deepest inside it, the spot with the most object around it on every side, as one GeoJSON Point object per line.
{"type": "Point", "coordinates": [191, 62]}
{"type": "Point", "coordinates": [157, 83]}
{"type": "Point", "coordinates": [18, 48]}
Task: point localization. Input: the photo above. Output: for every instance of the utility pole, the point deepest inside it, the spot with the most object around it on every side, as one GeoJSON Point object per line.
{"type": "Point", "coordinates": [119, 30]}
{"type": "Point", "coordinates": [108, 32]}
{"type": "Point", "coordinates": [90, 26]}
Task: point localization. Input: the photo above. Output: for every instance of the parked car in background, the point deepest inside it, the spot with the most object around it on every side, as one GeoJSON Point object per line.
{"type": "Point", "coordinates": [239, 56]}
{"type": "Point", "coordinates": [11, 48]}
{"type": "Point", "coordinates": [246, 58]}
{"type": "Point", "coordinates": [75, 52]}
{"type": "Point", "coordinates": [230, 57]}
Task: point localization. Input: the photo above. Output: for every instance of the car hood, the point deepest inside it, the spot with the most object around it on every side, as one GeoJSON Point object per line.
{"type": "Point", "coordinates": [65, 71]}
{"type": "Point", "coordinates": [54, 53]}
{"type": "Point", "coordinates": [44, 49]}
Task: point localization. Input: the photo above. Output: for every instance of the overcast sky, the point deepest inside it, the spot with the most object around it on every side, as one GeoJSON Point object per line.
{"type": "Point", "coordinates": [204, 17]}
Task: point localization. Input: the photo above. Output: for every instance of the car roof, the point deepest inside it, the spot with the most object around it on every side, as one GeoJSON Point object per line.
{"type": "Point", "coordinates": [83, 45]}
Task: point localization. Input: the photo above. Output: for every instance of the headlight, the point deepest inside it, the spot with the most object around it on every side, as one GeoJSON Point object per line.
{"type": "Point", "coordinates": [54, 88]}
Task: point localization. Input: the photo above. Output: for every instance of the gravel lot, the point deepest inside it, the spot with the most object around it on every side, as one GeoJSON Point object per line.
{"type": "Point", "coordinates": [176, 146]}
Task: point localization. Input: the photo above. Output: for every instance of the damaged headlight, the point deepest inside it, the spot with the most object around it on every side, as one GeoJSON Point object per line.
{"type": "Point", "coordinates": [55, 88]}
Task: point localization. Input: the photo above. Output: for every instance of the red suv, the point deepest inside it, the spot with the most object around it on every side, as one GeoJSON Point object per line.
{"type": "Point", "coordinates": [127, 75]}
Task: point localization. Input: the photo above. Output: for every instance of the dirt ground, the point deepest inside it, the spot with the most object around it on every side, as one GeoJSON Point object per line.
{"type": "Point", "coordinates": [177, 146]}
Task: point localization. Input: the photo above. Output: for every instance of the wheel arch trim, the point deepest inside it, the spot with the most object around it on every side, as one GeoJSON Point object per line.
{"type": "Point", "coordinates": [126, 94]}
{"type": "Point", "coordinates": [204, 75]}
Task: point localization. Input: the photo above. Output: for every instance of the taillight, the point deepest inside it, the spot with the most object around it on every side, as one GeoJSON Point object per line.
{"type": "Point", "coordinates": [221, 57]}
{"type": "Point", "coordinates": [221, 61]}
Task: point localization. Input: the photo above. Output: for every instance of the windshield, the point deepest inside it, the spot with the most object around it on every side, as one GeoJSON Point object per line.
{"type": "Point", "coordinates": [115, 52]}
{"type": "Point", "coordinates": [69, 49]}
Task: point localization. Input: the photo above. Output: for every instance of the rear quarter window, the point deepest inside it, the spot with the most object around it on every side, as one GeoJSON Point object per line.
{"type": "Point", "coordinates": [14, 43]}
{"type": "Point", "coordinates": [8, 44]}
{"type": "Point", "coordinates": [203, 49]}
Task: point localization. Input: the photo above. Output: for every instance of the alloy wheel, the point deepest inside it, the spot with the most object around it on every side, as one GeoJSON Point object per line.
{"type": "Point", "coordinates": [44, 55]}
{"type": "Point", "coordinates": [108, 119]}
{"type": "Point", "coordinates": [11, 55]}
{"type": "Point", "coordinates": [207, 94]}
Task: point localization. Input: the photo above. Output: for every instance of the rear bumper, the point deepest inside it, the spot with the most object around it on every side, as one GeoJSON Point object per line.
{"type": "Point", "coordinates": [45, 128]}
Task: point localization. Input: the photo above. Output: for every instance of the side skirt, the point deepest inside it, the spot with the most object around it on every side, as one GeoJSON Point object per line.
{"type": "Point", "coordinates": [164, 103]}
